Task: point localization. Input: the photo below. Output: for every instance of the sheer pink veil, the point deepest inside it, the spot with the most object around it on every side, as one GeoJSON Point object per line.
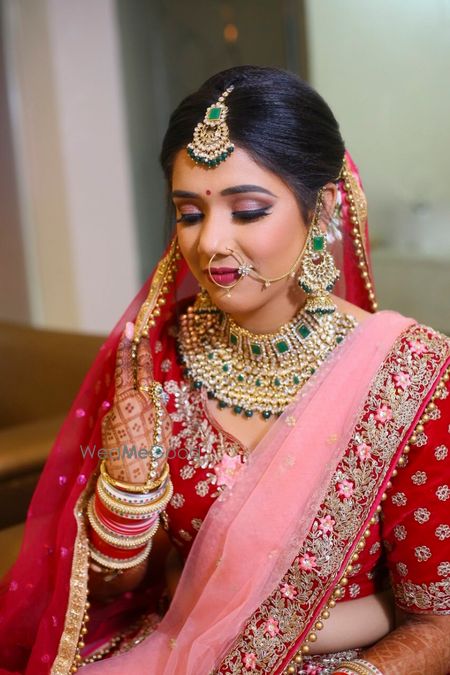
{"type": "Point", "coordinates": [34, 593]}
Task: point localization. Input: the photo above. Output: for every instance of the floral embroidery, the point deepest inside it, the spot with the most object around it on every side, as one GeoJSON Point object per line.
{"type": "Point", "coordinates": [250, 661]}
{"type": "Point", "coordinates": [441, 453]}
{"type": "Point", "coordinates": [345, 489]}
{"type": "Point", "coordinates": [422, 515]}
{"type": "Point", "coordinates": [434, 596]}
{"type": "Point", "coordinates": [383, 414]}
{"type": "Point", "coordinates": [326, 524]}
{"type": "Point", "coordinates": [363, 451]}
{"type": "Point", "coordinates": [402, 569]}
{"type": "Point", "coordinates": [443, 569]}
{"type": "Point", "coordinates": [419, 478]}
{"type": "Point", "coordinates": [177, 500]}
{"type": "Point", "coordinates": [402, 380]}
{"type": "Point", "coordinates": [443, 493]}
{"type": "Point", "coordinates": [400, 532]}
{"type": "Point", "coordinates": [442, 532]}
{"type": "Point", "coordinates": [354, 590]}
{"type": "Point", "coordinates": [422, 553]}
{"type": "Point", "coordinates": [196, 523]}
{"type": "Point", "coordinates": [288, 591]}
{"type": "Point", "coordinates": [399, 499]}
{"type": "Point", "coordinates": [307, 562]}
{"type": "Point", "coordinates": [271, 626]}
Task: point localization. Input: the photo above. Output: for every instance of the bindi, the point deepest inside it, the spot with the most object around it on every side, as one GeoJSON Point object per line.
{"type": "Point", "coordinates": [208, 192]}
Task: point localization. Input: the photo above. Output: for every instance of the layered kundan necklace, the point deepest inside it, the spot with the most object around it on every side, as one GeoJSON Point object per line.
{"type": "Point", "coordinates": [250, 372]}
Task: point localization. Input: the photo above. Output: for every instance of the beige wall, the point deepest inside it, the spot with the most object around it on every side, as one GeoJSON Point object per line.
{"type": "Point", "coordinates": [383, 66]}
{"type": "Point", "coordinates": [72, 159]}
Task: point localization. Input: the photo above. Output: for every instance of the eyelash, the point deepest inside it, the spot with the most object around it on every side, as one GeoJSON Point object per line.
{"type": "Point", "coordinates": [245, 216]}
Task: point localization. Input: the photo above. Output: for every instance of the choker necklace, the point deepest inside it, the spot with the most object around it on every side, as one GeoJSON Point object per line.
{"type": "Point", "coordinates": [250, 372]}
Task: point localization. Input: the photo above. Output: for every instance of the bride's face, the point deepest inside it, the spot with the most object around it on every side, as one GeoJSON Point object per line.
{"type": "Point", "coordinates": [240, 206]}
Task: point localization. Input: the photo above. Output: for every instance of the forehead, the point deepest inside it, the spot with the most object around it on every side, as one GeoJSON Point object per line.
{"type": "Point", "coordinates": [237, 169]}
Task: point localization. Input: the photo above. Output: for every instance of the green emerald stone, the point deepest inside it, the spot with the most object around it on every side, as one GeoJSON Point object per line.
{"type": "Point", "coordinates": [222, 404]}
{"type": "Point", "coordinates": [226, 368]}
{"type": "Point", "coordinates": [214, 113]}
{"type": "Point", "coordinates": [249, 413]}
{"type": "Point", "coordinates": [237, 409]}
{"type": "Point", "coordinates": [211, 355]}
{"type": "Point", "coordinates": [266, 414]}
{"type": "Point", "coordinates": [240, 378]}
{"type": "Point", "coordinates": [296, 379]}
{"type": "Point", "coordinates": [318, 243]}
{"type": "Point", "coordinates": [282, 346]}
{"type": "Point", "coordinates": [339, 339]}
{"type": "Point", "coordinates": [277, 382]}
{"type": "Point", "coordinates": [303, 330]}
{"type": "Point", "coordinates": [157, 451]}
{"type": "Point", "coordinates": [258, 382]}
{"type": "Point", "coordinates": [256, 348]}
{"type": "Point", "coordinates": [233, 339]}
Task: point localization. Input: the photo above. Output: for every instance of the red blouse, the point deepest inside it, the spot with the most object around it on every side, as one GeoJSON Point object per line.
{"type": "Point", "coordinates": [409, 547]}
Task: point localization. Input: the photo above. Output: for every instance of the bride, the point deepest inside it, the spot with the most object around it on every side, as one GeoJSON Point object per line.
{"type": "Point", "coordinates": [254, 476]}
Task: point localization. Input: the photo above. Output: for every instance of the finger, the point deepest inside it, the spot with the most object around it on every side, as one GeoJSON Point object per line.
{"type": "Point", "coordinates": [124, 365]}
{"type": "Point", "coordinates": [144, 363]}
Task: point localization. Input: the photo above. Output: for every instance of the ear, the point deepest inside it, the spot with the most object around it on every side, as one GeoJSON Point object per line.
{"type": "Point", "coordinates": [330, 192]}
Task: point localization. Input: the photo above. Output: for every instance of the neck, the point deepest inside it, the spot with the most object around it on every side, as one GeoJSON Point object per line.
{"type": "Point", "coordinates": [269, 318]}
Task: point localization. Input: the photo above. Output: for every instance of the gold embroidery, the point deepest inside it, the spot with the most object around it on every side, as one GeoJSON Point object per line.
{"type": "Point", "coordinates": [426, 597]}
{"type": "Point", "coordinates": [68, 643]}
{"type": "Point", "coordinates": [388, 414]}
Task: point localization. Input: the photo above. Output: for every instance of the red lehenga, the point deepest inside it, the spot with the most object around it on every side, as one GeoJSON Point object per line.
{"type": "Point", "coordinates": [394, 500]}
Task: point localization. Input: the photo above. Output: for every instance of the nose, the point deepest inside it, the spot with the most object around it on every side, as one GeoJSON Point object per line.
{"type": "Point", "coordinates": [213, 239]}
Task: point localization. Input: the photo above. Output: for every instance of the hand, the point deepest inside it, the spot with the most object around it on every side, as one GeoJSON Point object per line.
{"type": "Point", "coordinates": [130, 421]}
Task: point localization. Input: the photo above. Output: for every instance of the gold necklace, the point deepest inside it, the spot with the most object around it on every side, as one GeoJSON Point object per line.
{"type": "Point", "coordinates": [254, 373]}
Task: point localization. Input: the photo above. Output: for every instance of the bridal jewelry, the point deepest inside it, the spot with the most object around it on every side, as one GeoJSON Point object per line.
{"type": "Point", "coordinates": [319, 273]}
{"type": "Point", "coordinates": [211, 142]}
{"type": "Point", "coordinates": [253, 373]}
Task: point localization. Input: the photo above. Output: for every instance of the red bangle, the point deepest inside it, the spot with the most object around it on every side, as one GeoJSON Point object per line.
{"type": "Point", "coordinates": [112, 551]}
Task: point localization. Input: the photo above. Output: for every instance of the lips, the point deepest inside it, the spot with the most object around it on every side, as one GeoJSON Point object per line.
{"type": "Point", "coordinates": [224, 275]}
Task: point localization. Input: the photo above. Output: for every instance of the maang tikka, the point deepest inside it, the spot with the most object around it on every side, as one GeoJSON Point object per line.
{"type": "Point", "coordinates": [319, 272]}
{"type": "Point", "coordinates": [211, 143]}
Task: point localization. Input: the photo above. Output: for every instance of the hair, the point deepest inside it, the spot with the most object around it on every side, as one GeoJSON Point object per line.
{"type": "Point", "coordinates": [280, 120]}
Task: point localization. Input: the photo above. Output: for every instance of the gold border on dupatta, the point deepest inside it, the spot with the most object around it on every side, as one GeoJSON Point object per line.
{"type": "Point", "coordinates": [78, 591]}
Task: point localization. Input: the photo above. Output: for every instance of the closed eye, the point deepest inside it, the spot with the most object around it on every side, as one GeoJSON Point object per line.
{"type": "Point", "coordinates": [247, 215]}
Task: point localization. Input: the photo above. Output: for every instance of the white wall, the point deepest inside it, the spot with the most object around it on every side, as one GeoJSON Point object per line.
{"type": "Point", "coordinates": [384, 68]}
{"type": "Point", "coordinates": [72, 159]}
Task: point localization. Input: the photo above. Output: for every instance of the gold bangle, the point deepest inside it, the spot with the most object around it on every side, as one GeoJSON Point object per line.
{"type": "Point", "coordinates": [359, 668]}
{"type": "Point", "coordinates": [134, 487]}
{"type": "Point", "coordinates": [130, 511]}
{"type": "Point", "coordinates": [117, 540]}
{"type": "Point", "coordinates": [118, 563]}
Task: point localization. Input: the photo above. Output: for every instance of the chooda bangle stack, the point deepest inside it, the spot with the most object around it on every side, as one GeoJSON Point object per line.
{"type": "Point", "coordinates": [357, 667]}
{"type": "Point", "coordinates": [123, 523]}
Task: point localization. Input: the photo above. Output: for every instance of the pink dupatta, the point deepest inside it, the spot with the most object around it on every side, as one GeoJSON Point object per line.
{"type": "Point", "coordinates": [250, 537]}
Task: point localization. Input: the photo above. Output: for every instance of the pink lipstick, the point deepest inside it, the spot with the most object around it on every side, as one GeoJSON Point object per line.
{"type": "Point", "coordinates": [224, 275]}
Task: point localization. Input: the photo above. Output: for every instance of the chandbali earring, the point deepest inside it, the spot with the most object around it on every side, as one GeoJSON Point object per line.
{"type": "Point", "coordinates": [318, 270]}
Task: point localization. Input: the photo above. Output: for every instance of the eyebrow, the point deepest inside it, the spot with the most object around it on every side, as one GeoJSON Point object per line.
{"type": "Point", "coordinates": [235, 190]}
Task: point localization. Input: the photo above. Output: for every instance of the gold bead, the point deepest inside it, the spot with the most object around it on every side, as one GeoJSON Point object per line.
{"type": "Point", "coordinates": [406, 449]}
{"type": "Point", "coordinates": [383, 497]}
{"type": "Point", "coordinates": [312, 637]}
{"type": "Point", "coordinates": [349, 569]}
{"type": "Point", "coordinates": [325, 614]}
{"type": "Point", "coordinates": [291, 669]}
{"type": "Point", "coordinates": [419, 428]}
{"type": "Point", "coordinates": [332, 603]}
{"type": "Point", "coordinates": [298, 658]}
{"type": "Point", "coordinates": [367, 533]}
{"type": "Point", "coordinates": [379, 509]}
{"type": "Point", "coordinates": [355, 557]}
{"type": "Point", "coordinates": [305, 649]}
{"type": "Point", "coordinates": [395, 473]}
{"type": "Point", "coordinates": [401, 461]}
{"type": "Point", "coordinates": [344, 581]}
{"type": "Point", "coordinates": [431, 406]}
{"type": "Point", "coordinates": [388, 485]}
{"type": "Point", "coordinates": [318, 625]}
